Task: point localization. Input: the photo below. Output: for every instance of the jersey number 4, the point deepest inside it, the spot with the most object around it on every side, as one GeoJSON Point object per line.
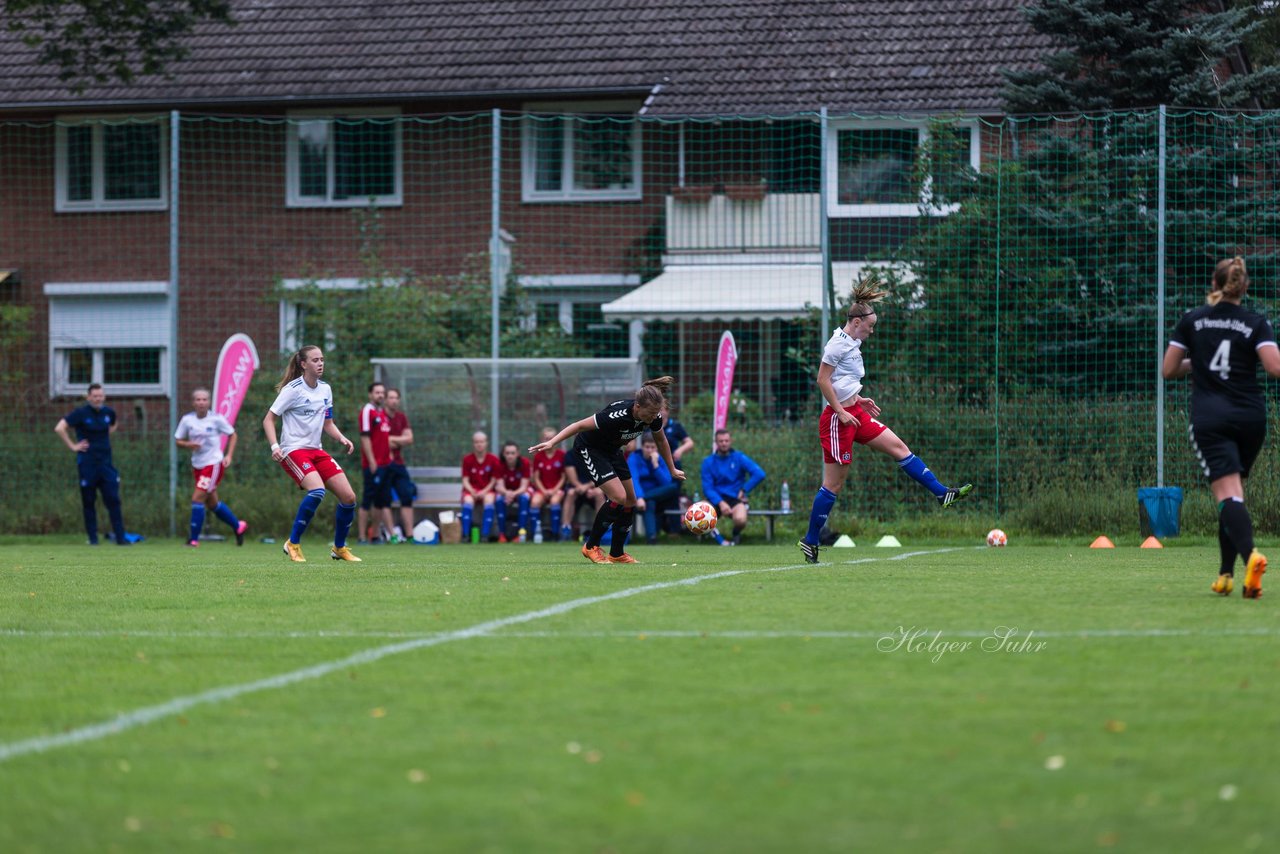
{"type": "Point", "coordinates": [1221, 361]}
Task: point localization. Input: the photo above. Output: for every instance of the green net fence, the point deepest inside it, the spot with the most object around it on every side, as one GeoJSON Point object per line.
{"type": "Point", "coordinates": [1034, 267]}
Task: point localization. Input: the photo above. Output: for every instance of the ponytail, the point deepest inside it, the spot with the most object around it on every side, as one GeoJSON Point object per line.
{"type": "Point", "coordinates": [654, 391]}
{"type": "Point", "coordinates": [294, 369]}
{"type": "Point", "coordinates": [1230, 281]}
{"type": "Point", "coordinates": [866, 293]}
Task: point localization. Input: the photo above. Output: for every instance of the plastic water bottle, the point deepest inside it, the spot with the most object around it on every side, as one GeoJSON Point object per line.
{"type": "Point", "coordinates": [522, 535]}
{"type": "Point", "coordinates": [537, 532]}
{"type": "Point", "coordinates": [786, 498]}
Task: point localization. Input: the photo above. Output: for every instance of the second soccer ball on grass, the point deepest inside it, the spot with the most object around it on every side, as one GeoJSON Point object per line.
{"type": "Point", "coordinates": [700, 518]}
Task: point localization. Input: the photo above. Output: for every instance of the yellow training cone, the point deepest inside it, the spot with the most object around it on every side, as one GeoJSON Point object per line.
{"type": "Point", "coordinates": [1151, 543]}
{"type": "Point", "coordinates": [1102, 543]}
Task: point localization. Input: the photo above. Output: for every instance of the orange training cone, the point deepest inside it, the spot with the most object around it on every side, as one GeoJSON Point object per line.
{"type": "Point", "coordinates": [1151, 543]}
{"type": "Point", "coordinates": [1102, 543]}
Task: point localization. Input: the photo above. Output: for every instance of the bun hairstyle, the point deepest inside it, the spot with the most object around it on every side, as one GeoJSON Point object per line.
{"type": "Point", "coordinates": [654, 391]}
{"type": "Point", "coordinates": [1230, 281]}
{"type": "Point", "coordinates": [866, 293]}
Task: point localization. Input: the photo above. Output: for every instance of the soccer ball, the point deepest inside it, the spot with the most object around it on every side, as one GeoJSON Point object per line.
{"type": "Point", "coordinates": [700, 518]}
{"type": "Point", "coordinates": [996, 537]}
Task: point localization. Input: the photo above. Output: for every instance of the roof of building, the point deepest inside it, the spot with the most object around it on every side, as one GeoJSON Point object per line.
{"type": "Point", "coordinates": [753, 57]}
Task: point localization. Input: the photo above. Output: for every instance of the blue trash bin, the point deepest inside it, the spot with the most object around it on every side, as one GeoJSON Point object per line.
{"type": "Point", "coordinates": [1159, 511]}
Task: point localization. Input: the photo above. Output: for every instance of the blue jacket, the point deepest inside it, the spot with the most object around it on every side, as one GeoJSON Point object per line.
{"type": "Point", "coordinates": [722, 477]}
{"type": "Point", "coordinates": [644, 478]}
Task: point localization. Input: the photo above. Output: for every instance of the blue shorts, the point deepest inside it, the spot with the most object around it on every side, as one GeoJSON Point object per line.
{"type": "Point", "coordinates": [402, 486]}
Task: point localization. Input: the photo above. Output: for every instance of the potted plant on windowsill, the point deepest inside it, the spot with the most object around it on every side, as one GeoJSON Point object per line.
{"type": "Point", "coordinates": [692, 194]}
{"type": "Point", "coordinates": [745, 189]}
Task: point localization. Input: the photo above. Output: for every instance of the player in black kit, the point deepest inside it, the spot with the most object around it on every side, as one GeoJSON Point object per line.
{"type": "Point", "coordinates": [1221, 345]}
{"type": "Point", "coordinates": [600, 443]}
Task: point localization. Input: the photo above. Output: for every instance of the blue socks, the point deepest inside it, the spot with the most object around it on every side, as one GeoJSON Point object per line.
{"type": "Point", "coordinates": [306, 510]}
{"type": "Point", "coordinates": [486, 522]}
{"type": "Point", "coordinates": [823, 503]}
{"type": "Point", "coordinates": [342, 523]}
{"type": "Point", "coordinates": [919, 472]}
{"type": "Point", "coordinates": [524, 511]}
{"type": "Point", "coordinates": [197, 520]}
{"type": "Point", "coordinates": [223, 512]}
{"type": "Point", "coordinates": [466, 521]}
{"type": "Point", "coordinates": [555, 518]}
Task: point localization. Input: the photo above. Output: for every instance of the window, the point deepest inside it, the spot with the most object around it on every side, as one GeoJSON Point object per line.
{"type": "Point", "coordinates": [113, 333]}
{"type": "Point", "coordinates": [302, 323]}
{"type": "Point", "coordinates": [581, 157]}
{"type": "Point", "coordinates": [344, 161]}
{"type": "Point", "coordinates": [893, 168]}
{"type": "Point", "coordinates": [112, 164]}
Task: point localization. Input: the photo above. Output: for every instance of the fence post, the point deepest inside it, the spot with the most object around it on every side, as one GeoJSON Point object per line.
{"type": "Point", "coordinates": [174, 160]}
{"type": "Point", "coordinates": [495, 271]}
{"type": "Point", "coordinates": [1160, 293]}
{"type": "Point", "coordinates": [824, 230]}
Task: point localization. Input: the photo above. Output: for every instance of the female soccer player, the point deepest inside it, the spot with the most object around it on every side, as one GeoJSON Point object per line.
{"type": "Point", "coordinates": [599, 444]}
{"type": "Point", "coordinates": [849, 417]}
{"type": "Point", "coordinates": [1221, 345]}
{"type": "Point", "coordinates": [548, 485]}
{"type": "Point", "coordinates": [201, 432]}
{"type": "Point", "coordinates": [512, 485]}
{"type": "Point", "coordinates": [305, 402]}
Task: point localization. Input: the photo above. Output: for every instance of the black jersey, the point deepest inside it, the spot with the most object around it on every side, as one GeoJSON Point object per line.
{"type": "Point", "coordinates": [616, 426]}
{"type": "Point", "coordinates": [1222, 342]}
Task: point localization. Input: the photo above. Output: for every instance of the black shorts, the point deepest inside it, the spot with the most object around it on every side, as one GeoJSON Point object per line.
{"type": "Point", "coordinates": [1226, 447]}
{"type": "Point", "coordinates": [732, 500]}
{"type": "Point", "coordinates": [401, 485]}
{"type": "Point", "coordinates": [377, 489]}
{"type": "Point", "coordinates": [603, 465]}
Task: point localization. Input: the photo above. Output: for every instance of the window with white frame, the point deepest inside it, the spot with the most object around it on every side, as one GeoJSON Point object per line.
{"type": "Point", "coordinates": [113, 333]}
{"type": "Point", "coordinates": [344, 160]}
{"type": "Point", "coordinates": [896, 168]}
{"type": "Point", "coordinates": [572, 155]}
{"type": "Point", "coordinates": [111, 164]}
{"type": "Point", "coordinates": [301, 325]}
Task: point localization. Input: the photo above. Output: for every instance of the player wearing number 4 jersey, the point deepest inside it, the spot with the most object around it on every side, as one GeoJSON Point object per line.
{"type": "Point", "coordinates": [1221, 345]}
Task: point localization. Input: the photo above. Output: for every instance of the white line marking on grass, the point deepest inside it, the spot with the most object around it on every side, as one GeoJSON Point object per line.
{"type": "Point", "coordinates": [150, 714]}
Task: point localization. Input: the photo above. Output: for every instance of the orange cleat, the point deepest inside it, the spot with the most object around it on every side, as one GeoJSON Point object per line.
{"type": "Point", "coordinates": [293, 551]}
{"type": "Point", "coordinates": [1253, 575]}
{"type": "Point", "coordinates": [622, 558]}
{"type": "Point", "coordinates": [1224, 585]}
{"type": "Point", "coordinates": [594, 554]}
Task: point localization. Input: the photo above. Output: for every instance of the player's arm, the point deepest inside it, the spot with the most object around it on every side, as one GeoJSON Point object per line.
{"type": "Point", "coordinates": [334, 433]}
{"type": "Point", "coordinates": [685, 446]}
{"type": "Point", "coordinates": [366, 453]}
{"type": "Point", "coordinates": [829, 395]}
{"type": "Point", "coordinates": [585, 425]}
{"type": "Point", "coordinates": [403, 440]}
{"type": "Point", "coordinates": [269, 428]}
{"type": "Point", "coordinates": [1176, 364]}
{"type": "Point", "coordinates": [756, 475]}
{"type": "Point", "coordinates": [664, 448]}
{"type": "Point", "coordinates": [1269, 356]}
{"type": "Point", "coordinates": [62, 429]}
{"type": "Point", "coordinates": [231, 449]}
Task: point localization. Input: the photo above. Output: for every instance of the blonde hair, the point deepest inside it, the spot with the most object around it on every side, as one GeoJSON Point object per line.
{"type": "Point", "coordinates": [866, 293]}
{"type": "Point", "coordinates": [1230, 281]}
{"type": "Point", "coordinates": [294, 369]}
{"type": "Point", "coordinates": [654, 391]}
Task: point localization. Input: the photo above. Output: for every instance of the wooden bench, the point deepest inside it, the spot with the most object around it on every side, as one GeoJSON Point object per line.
{"type": "Point", "coordinates": [767, 515]}
{"type": "Point", "coordinates": [439, 487]}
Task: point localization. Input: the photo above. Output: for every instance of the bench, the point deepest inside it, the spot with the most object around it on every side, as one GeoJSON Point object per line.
{"type": "Point", "coordinates": [767, 515]}
{"type": "Point", "coordinates": [439, 487]}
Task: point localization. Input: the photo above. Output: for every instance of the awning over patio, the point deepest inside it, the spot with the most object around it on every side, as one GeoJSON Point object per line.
{"type": "Point", "coordinates": [730, 292]}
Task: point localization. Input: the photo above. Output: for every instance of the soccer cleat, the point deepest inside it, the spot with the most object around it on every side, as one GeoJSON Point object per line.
{"type": "Point", "coordinates": [343, 553]}
{"type": "Point", "coordinates": [502, 538]}
{"type": "Point", "coordinates": [727, 543]}
{"type": "Point", "coordinates": [954, 494]}
{"type": "Point", "coordinates": [810, 551]}
{"type": "Point", "coordinates": [594, 554]}
{"type": "Point", "coordinates": [240, 529]}
{"type": "Point", "coordinates": [1253, 575]}
{"type": "Point", "coordinates": [293, 551]}
{"type": "Point", "coordinates": [193, 544]}
{"type": "Point", "coordinates": [1223, 585]}
{"type": "Point", "coordinates": [622, 558]}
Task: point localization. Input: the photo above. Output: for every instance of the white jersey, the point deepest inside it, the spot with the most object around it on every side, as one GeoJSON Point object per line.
{"type": "Point", "coordinates": [208, 431]}
{"type": "Point", "coordinates": [844, 353]}
{"type": "Point", "coordinates": [303, 410]}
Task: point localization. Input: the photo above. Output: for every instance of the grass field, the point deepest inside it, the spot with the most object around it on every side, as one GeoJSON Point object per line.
{"type": "Point", "coordinates": [516, 698]}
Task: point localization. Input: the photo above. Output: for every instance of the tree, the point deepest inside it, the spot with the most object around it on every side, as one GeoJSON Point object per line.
{"type": "Point", "coordinates": [94, 41]}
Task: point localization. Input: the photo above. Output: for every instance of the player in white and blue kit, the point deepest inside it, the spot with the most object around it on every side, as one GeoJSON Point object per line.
{"type": "Point", "coordinates": [201, 432]}
{"type": "Point", "coordinates": [850, 418]}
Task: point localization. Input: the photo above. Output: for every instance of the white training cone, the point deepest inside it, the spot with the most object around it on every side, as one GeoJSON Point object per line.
{"type": "Point", "coordinates": [888, 541]}
{"type": "Point", "coordinates": [843, 542]}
